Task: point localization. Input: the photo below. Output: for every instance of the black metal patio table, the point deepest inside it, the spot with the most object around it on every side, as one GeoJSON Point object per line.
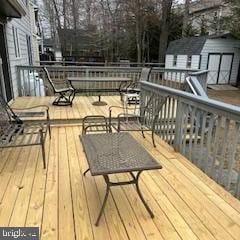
{"type": "Point", "coordinates": [112, 153]}
{"type": "Point", "coordinates": [118, 83]}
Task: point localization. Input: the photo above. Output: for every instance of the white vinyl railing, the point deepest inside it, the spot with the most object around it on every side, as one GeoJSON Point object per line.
{"type": "Point", "coordinates": [206, 131]}
{"type": "Point", "coordinates": [32, 81]}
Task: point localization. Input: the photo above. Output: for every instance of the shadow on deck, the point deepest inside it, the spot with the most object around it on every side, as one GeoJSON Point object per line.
{"type": "Point", "coordinates": [82, 106]}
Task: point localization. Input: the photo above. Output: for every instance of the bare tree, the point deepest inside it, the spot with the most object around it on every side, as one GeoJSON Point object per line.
{"type": "Point", "coordinates": [185, 26]}
{"type": "Point", "coordinates": [165, 20]}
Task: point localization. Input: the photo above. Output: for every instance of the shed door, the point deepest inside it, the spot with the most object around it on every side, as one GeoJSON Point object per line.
{"type": "Point", "coordinates": [220, 67]}
{"type": "Point", "coordinates": [225, 69]}
{"type": "Point", "coordinates": [213, 67]}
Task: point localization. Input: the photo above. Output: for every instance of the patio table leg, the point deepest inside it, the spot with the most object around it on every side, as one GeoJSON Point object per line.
{"type": "Point", "coordinates": [99, 102]}
{"type": "Point", "coordinates": [135, 181]}
{"type": "Point", "coordinates": [105, 199]}
{"type": "Point", "coordinates": [85, 172]}
{"type": "Point", "coordinates": [141, 196]}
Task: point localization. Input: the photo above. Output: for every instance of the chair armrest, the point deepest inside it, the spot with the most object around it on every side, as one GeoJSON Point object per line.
{"type": "Point", "coordinates": [33, 107]}
{"type": "Point", "coordinates": [110, 108]}
{"type": "Point", "coordinates": [71, 85]}
{"type": "Point", "coordinates": [28, 108]}
{"type": "Point", "coordinates": [124, 86]}
{"type": "Point", "coordinates": [127, 115]}
{"type": "Point", "coordinates": [84, 131]}
{"type": "Point", "coordinates": [128, 108]}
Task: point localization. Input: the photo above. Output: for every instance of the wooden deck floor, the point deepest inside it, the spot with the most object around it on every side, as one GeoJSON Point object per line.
{"type": "Point", "coordinates": [82, 106]}
{"type": "Point", "coordinates": [64, 204]}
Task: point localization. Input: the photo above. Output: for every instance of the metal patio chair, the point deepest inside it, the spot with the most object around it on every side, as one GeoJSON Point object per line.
{"type": "Point", "coordinates": [139, 118]}
{"type": "Point", "coordinates": [132, 91]}
{"type": "Point", "coordinates": [63, 88]}
{"type": "Point", "coordinates": [15, 132]}
{"type": "Point", "coordinates": [95, 124]}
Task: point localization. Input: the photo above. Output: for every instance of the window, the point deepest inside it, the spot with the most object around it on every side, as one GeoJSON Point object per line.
{"type": "Point", "coordinates": [16, 42]}
{"type": "Point", "coordinates": [189, 61]}
{"type": "Point", "coordinates": [175, 60]}
{"type": "Point", "coordinates": [29, 48]}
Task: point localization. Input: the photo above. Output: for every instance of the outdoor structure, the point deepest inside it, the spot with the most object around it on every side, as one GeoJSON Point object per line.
{"type": "Point", "coordinates": [37, 38]}
{"type": "Point", "coordinates": [81, 45]}
{"type": "Point", "coordinates": [206, 16]}
{"type": "Point", "coordinates": [19, 40]}
{"type": "Point", "coordinates": [219, 54]}
{"type": "Point", "coordinates": [50, 51]}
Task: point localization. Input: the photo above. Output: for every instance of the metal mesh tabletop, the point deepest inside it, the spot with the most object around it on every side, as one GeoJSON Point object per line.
{"type": "Point", "coordinates": [115, 153]}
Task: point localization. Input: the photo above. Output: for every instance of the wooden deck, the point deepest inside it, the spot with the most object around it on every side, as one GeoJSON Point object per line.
{"type": "Point", "coordinates": [64, 204]}
{"type": "Point", "coordinates": [82, 106]}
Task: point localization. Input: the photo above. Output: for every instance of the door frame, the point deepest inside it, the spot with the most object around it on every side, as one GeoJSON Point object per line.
{"type": "Point", "coordinates": [8, 69]}
{"type": "Point", "coordinates": [220, 62]}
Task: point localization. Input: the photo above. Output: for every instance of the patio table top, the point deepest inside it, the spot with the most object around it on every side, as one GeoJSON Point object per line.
{"type": "Point", "coordinates": [110, 153]}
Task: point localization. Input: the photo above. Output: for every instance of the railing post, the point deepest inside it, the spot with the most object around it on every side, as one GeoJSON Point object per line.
{"type": "Point", "coordinates": [19, 82]}
{"type": "Point", "coordinates": [178, 125]}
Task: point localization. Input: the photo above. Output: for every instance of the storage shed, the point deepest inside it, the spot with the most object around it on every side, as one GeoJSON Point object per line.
{"type": "Point", "coordinates": [220, 54]}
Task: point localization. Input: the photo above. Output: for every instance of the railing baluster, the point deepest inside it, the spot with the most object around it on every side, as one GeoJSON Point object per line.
{"type": "Point", "coordinates": [192, 118]}
{"type": "Point", "coordinates": [223, 150]}
{"type": "Point", "coordinates": [200, 157]}
{"type": "Point", "coordinates": [196, 136]}
{"type": "Point", "coordinates": [215, 146]}
{"type": "Point", "coordinates": [232, 159]}
{"type": "Point", "coordinates": [185, 128]}
{"type": "Point", "coordinates": [173, 116]}
{"type": "Point", "coordinates": [209, 142]}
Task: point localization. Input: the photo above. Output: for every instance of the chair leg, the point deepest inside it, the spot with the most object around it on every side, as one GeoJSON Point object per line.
{"type": "Point", "coordinates": [73, 96]}
{"type": "Point", "coordinates": [142, 132]}
{"type": "Point", "coordinates": [85, 172]}
{"type": "Point", "coordinates": [153, 139]}
{"type": "Point", "coordinates": [43, 149]}
{"type": "Point", "coordinates": [50, 132]}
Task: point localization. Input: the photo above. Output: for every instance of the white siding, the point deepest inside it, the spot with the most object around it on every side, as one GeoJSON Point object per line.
{"type": "Point", "coordinates": [169, 61]}
{"type": "Point", "coordinates": [34, 36]}
{"type": "Point", "coordinates": [182, 62]}
{"type": "Point", "coordinates": [24, 28]}
{"type": "Point", "coordinates": [222, 46]}
{"type": "Point", "coordinates": [195, 62]}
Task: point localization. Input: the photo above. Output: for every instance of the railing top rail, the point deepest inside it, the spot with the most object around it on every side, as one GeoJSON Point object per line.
{"type": "Point", "coordinates": [199, 72]}
{"type": "Point", "coordinates": [214, 105]}
{"type": "Point", "coordinates": [105, 68]}
{"type": "Point", "coordinates": [102, 63]}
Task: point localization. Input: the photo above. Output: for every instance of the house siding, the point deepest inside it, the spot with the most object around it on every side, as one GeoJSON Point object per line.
{"type": "Point", "coordinates": [182, 62]}
{"type": "Point", "coordinates": [34, 37]}
{"type": "Point", "coordinates": [222, 46]}
{"type": "Point", "coordinates": [23, 26]}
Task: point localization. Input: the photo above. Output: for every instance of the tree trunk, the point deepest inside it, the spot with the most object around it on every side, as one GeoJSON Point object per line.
{"type": "Point", "coordinates": [185, 18]}
{"type": "Point", "coordinates": [163, 41]}
{"type": "Point", "coordinates": [138, 42]}
{"type": "Point", "coordinates": [59, 28]}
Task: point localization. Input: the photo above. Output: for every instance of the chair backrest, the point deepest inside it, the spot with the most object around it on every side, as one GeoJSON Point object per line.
{"type": "Point", "coordinates": [152, 108]}
{"type": "Point", "coordinates": [48, 78]}
{"type": "Point", "coordinates": [56, 84]}
{"type": "Point", "coordinates": [6, 115]}
{"type": "Point", "coordinates": [95, 123]}
{"type": "Point", "coordinates": [145, 74]}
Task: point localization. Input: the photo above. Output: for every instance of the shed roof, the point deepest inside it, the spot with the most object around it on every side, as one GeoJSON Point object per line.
{"type": "Point", "coordinates": [187, 46]}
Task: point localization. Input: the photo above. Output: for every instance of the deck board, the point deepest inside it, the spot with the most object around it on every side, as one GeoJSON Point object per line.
{"type": "Point", "coordinates": [82, 106]}
{"type": "Point", "coordinates": [62, 202]}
